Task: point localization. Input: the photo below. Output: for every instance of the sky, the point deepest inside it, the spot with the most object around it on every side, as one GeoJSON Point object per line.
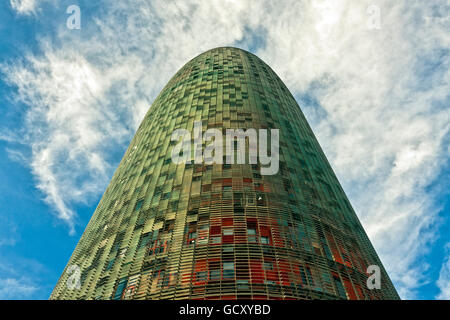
{"type": "Point", "coordinates": [372, 78]}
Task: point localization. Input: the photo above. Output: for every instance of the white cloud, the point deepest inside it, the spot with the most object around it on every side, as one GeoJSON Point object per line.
{"type": "Point", "coordinates": [28, 7]}
{"type": "Point", "coordinates": [12, 288]}
{"type": "Point", "coordinates": [443, 282]}
{"type": "Point", "coordinates": [8, 232]}
{"type": "Point", "coordinates": [21, 278]}
{"type": "Point", "coordinates": [25, 7]}
{"type": "Point", "coordinates": [384, 108]}
{"type": "Point", "coordinates": [68, 126]}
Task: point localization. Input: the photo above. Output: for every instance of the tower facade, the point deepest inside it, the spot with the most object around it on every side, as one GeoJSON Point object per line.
{"type": "Point", "coordinates": [166, 230]}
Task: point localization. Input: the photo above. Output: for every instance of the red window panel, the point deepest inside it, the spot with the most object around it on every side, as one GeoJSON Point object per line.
{"type": "Point", "coordinates": [349, 288]}
{"type": "Point", "coordinates": [215, 230]}
{"type": "Point", "coordinates": [227, 182]}
{"type": "Point", "coordinates": [257, 273]}
{"type": "Point", "coordinates": [264, 231]}
{"type": "Point", "coordinates": [257, 278]}
{"type": "Point", "coordinates": [272, 275]}
{"type": "Point", "coordinates": [356, 264]}
{"type": "Point", "coordinates": [277, 240]}
{"type": "Point", "coordinates": [227, 221]}
{"type": "Point", "coordinates": [276, 231]}
{"type": "Point", "coordinates": [345, 256]}
{"type": "Point", "coordinates": [336, 255]}
{"type": "Point", "coordinates": [186, 278]}
{"type": "Point", "coordinates": [228, 239]}
{"type": "Point", "coordinates": [200, 265]}
{"type": "Point", "coordinates": [359, 291]}
{"type": "Point", "coordinates": [284, 269]}
{"type": "Point", "coordinates": [334, 250]}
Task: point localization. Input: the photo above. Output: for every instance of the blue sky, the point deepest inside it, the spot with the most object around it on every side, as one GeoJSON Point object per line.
{"type": "Point", "coordinates": [376, 98]}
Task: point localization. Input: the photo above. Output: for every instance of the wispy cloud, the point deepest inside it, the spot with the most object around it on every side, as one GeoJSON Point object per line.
{"type": "Point", "coordinates": [443, 282]}
{"type": "Point", "coordinates": [11, 288]}
{"type": "Point", "coordinates": [20, 278]}
{"type": "Point", "coordinates": [8, 233]}
{"type": "Point", "coordinates": [68, 127]}
{"type": "Point", "coordinates": [24, 7]}
{"type": "Point", "coordinates": [381, 110]}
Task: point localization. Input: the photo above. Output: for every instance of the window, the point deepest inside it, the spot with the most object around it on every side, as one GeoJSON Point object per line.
{"type": "Point", "coordinates": [174, 205]}
{"type": "Point", "coordinates": [216, 239]}
{"type": "Point", "coordinates": [264, 240]}
{"type": "Point", "coordinates": [251, 235]}
{"type": "Point", "coordinates": [214, 274]}
{"type": "Point", "coordinates": [139, 204]}
{"type": "Point", "coordinates": [242, 284]}
{"type": "Point", "coordinates": [227, 249]}
{"type": "Point", "coordinates": [339, 287]}
{"type": "Point", "coordinates": [261, 200]}
{"type": "Point", "coordinates": [202, 239]}
{"type": "Point", "coordinates": [228, 269]}
{"type": "Point", "coordinates": [165, 196]}
{"type": "Point", "coordinates": [201, 276]}
{"type": "Point", "coordinates": [268, 265]}
{"type": "Point", "coordinates": [227, 232]}
{"type": "Point", "coordinates": [120, 288]}
{"type": "Point", "coordinates": [110, 264]}
{"type": "Point", "coordinates": [310, 277]}
{"type": "Point", "coordinates": [250, 200]}
{"type": "Point", "coordinates": [192, 236]}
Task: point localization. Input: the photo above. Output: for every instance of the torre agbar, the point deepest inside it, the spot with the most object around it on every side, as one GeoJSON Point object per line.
{"type": "Point", "coordinates": [166, 230]}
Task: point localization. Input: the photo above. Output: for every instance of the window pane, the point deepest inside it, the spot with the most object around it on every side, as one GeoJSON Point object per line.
{"type": "Point", "coordinates": [227, 232]}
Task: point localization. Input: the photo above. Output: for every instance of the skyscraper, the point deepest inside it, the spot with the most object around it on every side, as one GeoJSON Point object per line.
{"type": "Point", "coordinates": [166, 230]}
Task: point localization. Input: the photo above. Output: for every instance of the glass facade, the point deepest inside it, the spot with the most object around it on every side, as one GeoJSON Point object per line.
{"type": "Point", "coordinates": [224, 231]}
